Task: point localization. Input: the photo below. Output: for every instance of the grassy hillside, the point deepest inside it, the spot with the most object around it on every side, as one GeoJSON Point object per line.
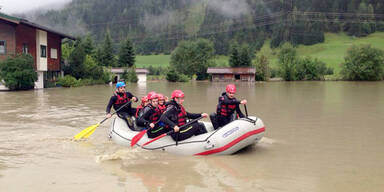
{"type": "Point", "coordinates": [332, 51]}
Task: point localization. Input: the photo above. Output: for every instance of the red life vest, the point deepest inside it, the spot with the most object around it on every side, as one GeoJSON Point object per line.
{"type": "Point", "coordinates": [225, 109]}
{"type": "Point", "coordinates": [162, 108]}
{"type": "Point", "coordinates": [181, 116]}
{"type": "Point", "coordinates": [122, 99]}
{"type": "Point", "coordinates": [155, 115]}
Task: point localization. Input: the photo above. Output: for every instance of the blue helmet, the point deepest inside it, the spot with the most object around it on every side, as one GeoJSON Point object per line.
{"type": "Point", "coordinates": [120, 84]}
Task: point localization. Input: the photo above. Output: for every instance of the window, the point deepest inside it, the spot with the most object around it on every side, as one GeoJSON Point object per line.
{"type": "Point", "coordinates": [25, 48]}
{"type": "Point", "coordinates": [43, 50]}
{"type": "Point", "coordinates": [53, 53]}
{"type": "Point", "coordinates": [3, 46]}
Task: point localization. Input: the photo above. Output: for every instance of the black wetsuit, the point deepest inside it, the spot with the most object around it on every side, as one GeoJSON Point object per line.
{"type": "Point", "coordinates": [118, 100]}
{"type": "Point", "coordinates": [175, 114]}
{"type": "Point", "coordinates": [225, 110]}
{"type": "Point", "coordinates": [150, 115]}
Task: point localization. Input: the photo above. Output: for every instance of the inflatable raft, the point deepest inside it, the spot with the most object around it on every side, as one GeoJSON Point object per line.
{"type": "Point", "coordinates": [227, 140]}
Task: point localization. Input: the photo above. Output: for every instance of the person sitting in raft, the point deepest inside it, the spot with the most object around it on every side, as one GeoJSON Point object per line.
{"type": "Point", "coordinates": [120, 98]}
{"type": "Point", "coordinates": [162, 101]}
{"type": "Point", "coordinates": [226, 107]}
{"type": "Point", "coordinates": [150, 117]}
{"type": "Point", "coordinates": [139, 109]}
{"type": "Point", "coordinates": [175, 116]}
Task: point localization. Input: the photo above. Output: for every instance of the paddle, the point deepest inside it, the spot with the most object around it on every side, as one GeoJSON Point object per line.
{"type": "Point", "coordinates": [89, 130]}
{"type": "Point", "coordinates": [138, 136]}
{"type": "Point", "coordinates": [170, 132]}
{"type": "Point", "coordinates": [246, 113]}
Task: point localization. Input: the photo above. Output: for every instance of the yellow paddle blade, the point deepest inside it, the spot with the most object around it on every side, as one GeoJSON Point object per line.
{"type": "Point", "coordinates": [86, 132]}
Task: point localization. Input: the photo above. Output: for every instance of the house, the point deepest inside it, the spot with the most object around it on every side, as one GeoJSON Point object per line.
{"type": "Point", "coordinates": [140, 72]}
{"type": "Point", "coordinates": [43, 44]}
{"type": "Point", "coordinates": [232, 74]}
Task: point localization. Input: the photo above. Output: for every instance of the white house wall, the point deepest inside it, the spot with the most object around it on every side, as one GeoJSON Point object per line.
{"type": "Point", "coordinates": [41, 39]}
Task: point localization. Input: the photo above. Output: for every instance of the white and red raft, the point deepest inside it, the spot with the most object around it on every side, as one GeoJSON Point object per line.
{"type": "Point", "coordinates": [229, 139]}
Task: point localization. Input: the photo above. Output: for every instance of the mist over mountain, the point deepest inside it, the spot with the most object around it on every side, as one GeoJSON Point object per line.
{"type": "Point", "coordinates": [157, 26]}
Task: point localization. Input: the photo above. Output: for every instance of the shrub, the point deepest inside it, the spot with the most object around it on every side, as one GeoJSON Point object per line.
{"type": "Point", "coordinates": [18, 73]}
{"type": "Point", "coordinates": [131, 76]}
{"type": "Point", "coordinates": [363, 63]}
{"type": "Point", "coordinates": [308, 69]}
{"type": "Point", "coordinates": [173, 76]}
{"type": "Point", "coordinates": [287, 60]}
{"type": "Point", "coordinates": [262, 69]}
{"type": "Point", "coordinates": [68, 81]}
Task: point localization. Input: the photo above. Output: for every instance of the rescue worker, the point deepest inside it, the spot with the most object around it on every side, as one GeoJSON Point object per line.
{"type": "Point", "coordinates": [162, 100]}
{"type": "Point", "coordinates": [120, 98]}
{"type": "Point", "coordinates": [175, 116]}
{"type": "Point", "coordinates": [150, 117]}
{"type": "Point", "coordinates": [226, 107]}
{"type": "Point", "coordinates": [139, 109]}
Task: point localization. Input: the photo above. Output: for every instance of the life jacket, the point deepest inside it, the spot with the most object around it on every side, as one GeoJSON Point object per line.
{"type": "Point", "coordinates": [155, 114]}
{"type": "Point", "coordinates": [225, 109]}
{"type": "Point", "coordinates": [179, 118]}
{"type": "Point", "coordinates": [162, 108]}
{"type": "Point", "coordinates": [122, 99]}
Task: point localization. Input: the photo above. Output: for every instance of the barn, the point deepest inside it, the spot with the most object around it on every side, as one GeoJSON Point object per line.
{"type": "Point", "coordinates": [232, 73]}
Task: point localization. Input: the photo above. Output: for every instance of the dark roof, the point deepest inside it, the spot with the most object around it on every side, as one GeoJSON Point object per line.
{"type": "Point", "coordinates": [231, 70]}
{"type": "Point", "coordinates": [26, 22]}
{"type": "Point", "coordinates": [121, 70]}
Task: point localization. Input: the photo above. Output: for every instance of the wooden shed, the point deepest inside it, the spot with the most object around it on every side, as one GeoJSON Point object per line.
{"type": "Point", "coordinates": [232, 74]}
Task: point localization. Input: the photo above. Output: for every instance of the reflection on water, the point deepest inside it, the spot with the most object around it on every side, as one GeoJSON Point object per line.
{"type": "Point", "coordinates": [320, 136]}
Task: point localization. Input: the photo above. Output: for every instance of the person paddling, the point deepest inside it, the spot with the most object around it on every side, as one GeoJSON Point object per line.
{"type": "Point", "coordinates": [119, 99]}
{"type": "Point", "coordinates": [226, 107]}
{"type": "Point", "coordinates": [150, 117]}
{"type": "Point", "coordinates": [176, 116]}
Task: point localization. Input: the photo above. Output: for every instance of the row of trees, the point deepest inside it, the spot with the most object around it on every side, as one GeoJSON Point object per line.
{"type": "Point", "coordinates": [87, 61]}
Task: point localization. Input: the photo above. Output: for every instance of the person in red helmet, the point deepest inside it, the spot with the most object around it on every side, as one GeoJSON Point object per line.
{"type": "Point", "coordinates": [226, 107]}
{"type": "Point", "coordinates": [139, 109]}
{"type": "Point", "coordinates": [162, 100]}
{"type": "Point", "coordinates": [120, 98]}
{"type": "Point", "coordinates": [150, 117]}
{"type": "Point", "coordinates": [176, 116]}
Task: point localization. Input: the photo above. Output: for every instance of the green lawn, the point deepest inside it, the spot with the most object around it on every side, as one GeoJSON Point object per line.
{"type": "Point", "coordinates": [332, 51]}
{"type": "Point", "coordinates": [154, 60]}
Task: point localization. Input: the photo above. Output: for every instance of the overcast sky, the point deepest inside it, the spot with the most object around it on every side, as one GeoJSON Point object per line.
{"type": "Point", "coordinates": [19, 6]}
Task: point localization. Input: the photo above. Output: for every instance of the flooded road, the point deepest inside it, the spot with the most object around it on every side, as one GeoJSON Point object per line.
{"type": "Point", "coordinates": [320, 136]}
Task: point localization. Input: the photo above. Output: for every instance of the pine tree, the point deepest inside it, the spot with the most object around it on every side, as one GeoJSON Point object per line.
{"type": "Point", "coordinates": [245, 56]}
{"type": "Point", "coordinates": [234, 59]}
{"type": "Point", "coordinates": [88, 45]}
{"type": "Point", "coordinates": [126, 54]}
{"type": "Point", "coordinates": [107, 57]}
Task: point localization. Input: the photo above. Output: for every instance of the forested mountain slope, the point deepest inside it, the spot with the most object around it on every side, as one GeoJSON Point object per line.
{"type": "Point", "coordinates": [157, 26]}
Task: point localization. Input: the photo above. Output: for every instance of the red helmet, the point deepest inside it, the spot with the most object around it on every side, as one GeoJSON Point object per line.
{"type": "Point", "coordinates": [152, 95]}
{"type": "Point", "coordinates": [177, 93]}
{"type": "Point", "coordinates": [144, 99]}
{"type": "Point", "coordinates": [161, 96]}
{"type": "Point", "coordinates": [231, 88]}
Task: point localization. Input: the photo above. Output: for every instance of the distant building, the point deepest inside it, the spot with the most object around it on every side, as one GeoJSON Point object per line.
{"type": "Point", "coordinates": [140, 72]}
{"type": "Point", "coordinates": [21, 36]}
{"type": "Point", "coordinates": [232, 74]}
